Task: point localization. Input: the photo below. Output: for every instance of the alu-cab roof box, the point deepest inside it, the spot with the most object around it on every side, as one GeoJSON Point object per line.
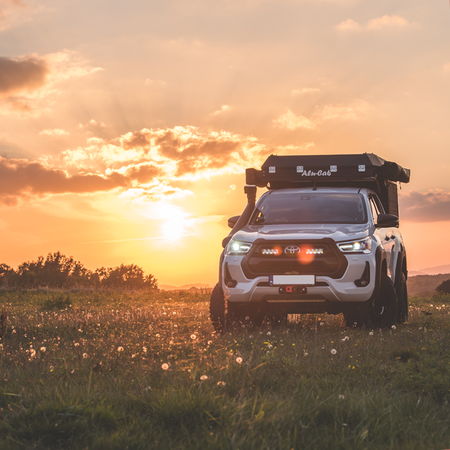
{"type": "Point", "coordinates": [359, 170]}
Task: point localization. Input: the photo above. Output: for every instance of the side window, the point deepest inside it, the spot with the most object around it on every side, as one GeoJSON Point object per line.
{"type": "Point", "coordinates": [375, 207]}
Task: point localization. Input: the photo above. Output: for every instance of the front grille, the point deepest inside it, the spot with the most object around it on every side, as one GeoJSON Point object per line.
{"type": "Point", "coordinates": [312, 257]}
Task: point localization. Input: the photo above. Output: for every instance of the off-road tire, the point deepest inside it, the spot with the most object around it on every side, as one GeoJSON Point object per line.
{"type": "Point", "coordinates": [382, 310]}
{"type": "Point", "coordinates": [217, 308]}
{"type": "Point", "coordinates": [402, 299]}
{"type": "Point", "coordinates": [378, 312]}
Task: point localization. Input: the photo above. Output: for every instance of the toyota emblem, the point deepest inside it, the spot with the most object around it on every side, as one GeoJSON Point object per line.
{"type": "Point", "coordinates": [292, 250]}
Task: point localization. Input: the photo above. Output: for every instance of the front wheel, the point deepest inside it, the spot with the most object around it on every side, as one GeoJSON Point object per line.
{"type": "Point", "coordinates": [379, 312]}
{"type": "Point", "coordinates": [217, 308]}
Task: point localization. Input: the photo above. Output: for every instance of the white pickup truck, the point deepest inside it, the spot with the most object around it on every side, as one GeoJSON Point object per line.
{"type": "Point", "coordinates": [323, 238]}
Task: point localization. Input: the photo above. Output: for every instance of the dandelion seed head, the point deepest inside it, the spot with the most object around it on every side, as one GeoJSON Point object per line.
{"type": "Point", "coordinates": [120, 349]}
{"type": "Point", "coordinates": [305, 354]}
{"type": "Point", "coordinates": [204, 377]}
{"type": "Point", "coordinates": [43, 349]}
{"type": "Point", "coordinates": [85, 355]}
{"type": "Point", "coordinates": [371, 333]}
{"type": "Point", "coordinates": [239, 360]}
{"type": "Point", "coordinates": [394, 327]}
{"type": "Point", "coordinates": [333, 351]}
{"type": "Point", "coordinates": [221, 383]}
{"type": "Point", "coordinates": [165, 366]}
{"type": "Point", "coordinates": [76, 344]}
{"type": "Point", "coordinates": [193, 336]}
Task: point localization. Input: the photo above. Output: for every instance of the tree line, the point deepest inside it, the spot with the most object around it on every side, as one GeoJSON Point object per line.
{"type": "Point", "coordinates": [60, 271]}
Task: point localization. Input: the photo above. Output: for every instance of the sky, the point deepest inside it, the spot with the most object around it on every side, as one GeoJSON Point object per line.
{"type": "Point", "coordinates": [126, 127]}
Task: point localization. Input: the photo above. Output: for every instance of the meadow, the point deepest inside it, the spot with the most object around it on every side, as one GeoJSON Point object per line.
{"type": "Point", "coordinates": [114, 370]}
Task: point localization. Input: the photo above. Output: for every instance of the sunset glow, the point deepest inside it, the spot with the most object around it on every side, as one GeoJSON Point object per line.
{"type": "Point", "coordinates": [128, 142]}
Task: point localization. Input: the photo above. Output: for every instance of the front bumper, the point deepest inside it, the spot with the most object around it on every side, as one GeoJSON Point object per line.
{"type": "Point", "coordinates": [324, 290]}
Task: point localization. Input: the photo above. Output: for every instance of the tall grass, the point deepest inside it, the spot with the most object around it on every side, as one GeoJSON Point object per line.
{"type": "Point", "coordinates": [114, 371]}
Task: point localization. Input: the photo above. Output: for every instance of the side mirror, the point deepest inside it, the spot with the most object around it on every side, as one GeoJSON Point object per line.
{"type": "Point", "coordinates": [387, 221]}
{"type": "Point", "coordinates": [232, 221]}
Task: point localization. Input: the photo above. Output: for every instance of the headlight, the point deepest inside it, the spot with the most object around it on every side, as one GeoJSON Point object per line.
{"type": "Point", "coordinates": [359, 246]}
{"type": "Point", "coordinates": [238, 248]}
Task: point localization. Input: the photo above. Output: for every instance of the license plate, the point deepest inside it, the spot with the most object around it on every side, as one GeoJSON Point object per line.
{"type": "Point", "coordinates": [292, 280]}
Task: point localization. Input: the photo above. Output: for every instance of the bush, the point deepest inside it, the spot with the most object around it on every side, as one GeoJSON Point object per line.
{"type": "Point", "coordinates": [444, 287]}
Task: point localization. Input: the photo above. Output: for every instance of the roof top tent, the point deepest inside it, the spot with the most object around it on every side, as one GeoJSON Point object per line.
{"type": "Point", "coordinates": [362, 170]}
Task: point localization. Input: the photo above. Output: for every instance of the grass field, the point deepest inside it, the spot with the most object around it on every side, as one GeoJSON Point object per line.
{"type": "Point", "coordinates": [146, 371]}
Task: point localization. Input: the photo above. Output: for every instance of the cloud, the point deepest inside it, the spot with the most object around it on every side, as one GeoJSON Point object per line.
{"type": "Point", "coordinates": [352, 111]}
{"type": "Point", "coordinates": [305, 91]}
{"type": "Point", "coordinates": [388, 22]}
{"type": "Point", "coordinates": [179, 152]}
{"type": "Point", "coordinates": [149, 81]}
{"type": "Point", "coordinates": [21, 180]}
{"type": "Point", "coordinates": [431, 206]}
{"type": "Point", "coordinates": [157, 191]}
{"type": "Point", "coordinates": [56, 133]}
{"type": "Point", "coordinates": [221, 110]}
{"type": "Point", "coordinates": [142, 166]}
{"type": "Point", "coordinates": [9, 14]}
{"type": "Point", "coordinates": [31, 85]}
{"type": "Point", "coordinates": [349, 25]}
{"type": "Point", "coordinates": [379, 23]}
{"type": "Point", "coordinates": [290, 121]}
{"type": "Point", "coordinates": [27, 74]}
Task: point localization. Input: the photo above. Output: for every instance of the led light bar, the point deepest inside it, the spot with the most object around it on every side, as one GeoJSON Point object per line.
{"type": "Point", "coordinates": [271, 251]}
{"type": "Point", "coordinates": [314, 251]}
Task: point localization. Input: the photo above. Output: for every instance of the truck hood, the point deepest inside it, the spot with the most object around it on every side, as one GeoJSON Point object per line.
{"type": "Point", "coordinates": [339, 233]}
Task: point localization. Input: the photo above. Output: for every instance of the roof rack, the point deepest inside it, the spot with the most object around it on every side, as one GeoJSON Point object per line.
{"type": "Point", "coordinates": [326, 170]}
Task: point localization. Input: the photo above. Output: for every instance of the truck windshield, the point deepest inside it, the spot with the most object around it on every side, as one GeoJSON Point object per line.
{"type": "Point", "coordinates": [318, 208]}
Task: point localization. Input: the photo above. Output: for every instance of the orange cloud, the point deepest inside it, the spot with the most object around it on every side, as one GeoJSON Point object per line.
{"type": "Point", "coordinates": [290, 121]}
{"type": "Point", "coordinates": [379, 23]}
{"type": "Point", "coordinates": [179, 152]}
{"type": "Point", "coordinates": [352, 111]}
{"type": "Point", "coordinates": [28, 73]}
{"type": "Point", "coordinates": [142, 165]}
{"type": "Point", "coordinates": [21, 180]}
{"type": "Point", "coordinates": [431, 206]}
{"type": "Point", "coordinates": [39, 80]}
{"type": "Point", "coordinates": [56, 133]}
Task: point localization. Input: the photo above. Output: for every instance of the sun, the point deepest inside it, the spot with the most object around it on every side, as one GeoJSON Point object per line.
{"type": "Point", "coordinates": [173, 229]}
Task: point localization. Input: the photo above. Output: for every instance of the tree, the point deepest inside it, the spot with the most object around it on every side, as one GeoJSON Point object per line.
{"type": "Point", "coordinates": [126, 277]}
{"type": "Point", "coordinates": [444, 287]}
{"type": "Point", "coordinates": [7, 275]}
{"type": "Point", "coordinates": [60, 271]}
